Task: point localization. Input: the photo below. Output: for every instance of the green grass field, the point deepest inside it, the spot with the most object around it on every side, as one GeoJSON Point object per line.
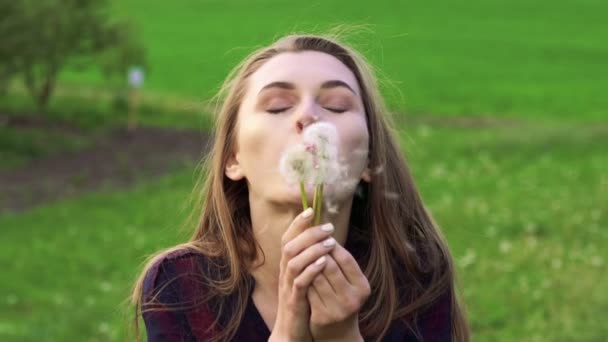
{"type": "Point", "coordinates": [516, 58]}
{"type": "Point", "coordinates": [506, 135]}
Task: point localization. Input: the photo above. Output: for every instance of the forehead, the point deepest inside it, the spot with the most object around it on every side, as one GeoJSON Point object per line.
{"type": "Point", "coordinates": [305, 69]}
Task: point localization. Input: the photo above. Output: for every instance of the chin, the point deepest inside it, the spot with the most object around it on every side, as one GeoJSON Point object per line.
{"type": "Point", "coordinates": [291, 194]}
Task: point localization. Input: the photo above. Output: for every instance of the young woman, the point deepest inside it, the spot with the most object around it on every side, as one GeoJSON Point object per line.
{"type": "Point", "coordinates": [256, 269]}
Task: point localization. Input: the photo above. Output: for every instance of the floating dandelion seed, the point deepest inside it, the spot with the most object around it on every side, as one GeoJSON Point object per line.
{"type": "Point", "coordinates": [332, 207]}
{"type": "Point", "coordinates": [360, 152]}
{"type": "Point", "coordinates": [391, 195]}
{"type": "Point", "coordinates": [349, 184]}
{"type": "Point", "coordinates": [468, 259]}
{"type": "Point", "coordinates": [378, 170]}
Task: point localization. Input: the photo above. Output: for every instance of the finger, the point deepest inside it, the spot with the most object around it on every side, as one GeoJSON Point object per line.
{"type": "Point", "coordinates": [298, 225]}
{"type": "Point", "coordinates": [302, 282]}
{"type": "Point", "coordinates": [349, 266]}
{"type": "Point", "coordinates": [333, 279]}
{"type": "Point", "coordinates": [327, 294]}
{"type": "Point", "coordinates": [314, 298]}
{"type": "Point", "coordinates": [306, 239]}
{"type": "Point", "coordinates": [298, 263]}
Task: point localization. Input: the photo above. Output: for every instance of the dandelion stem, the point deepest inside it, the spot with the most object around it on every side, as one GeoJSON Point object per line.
{"type": "Point", "coordinates": [303, 194]}
{"type": "Point", "coordinates": [314, 201]}
{"type": "Point", "coordinates": [319, 203]}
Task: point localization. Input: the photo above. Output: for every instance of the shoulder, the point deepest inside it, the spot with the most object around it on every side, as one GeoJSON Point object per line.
{"type": "Point", "coordinates": [173, 297]}
{"type": "Point", "coordinates": [172, 275]}
{"type": "Point", "coordinates": [436, 319]}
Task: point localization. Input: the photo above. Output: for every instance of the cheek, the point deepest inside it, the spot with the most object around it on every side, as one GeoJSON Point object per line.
{"type": "Point", "coordinates": [259, 147]}
{"type": "Point", "coordinates": [354, 145]}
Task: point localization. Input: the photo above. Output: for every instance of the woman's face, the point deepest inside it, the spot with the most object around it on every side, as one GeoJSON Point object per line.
{"type": "Point", "coordinates": [287, 93]}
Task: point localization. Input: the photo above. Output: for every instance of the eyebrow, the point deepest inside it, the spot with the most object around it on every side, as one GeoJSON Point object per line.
{"type": "Point", "coordinates": [326, 85]}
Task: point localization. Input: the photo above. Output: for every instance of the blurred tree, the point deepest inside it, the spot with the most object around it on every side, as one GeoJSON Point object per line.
{"type": "Point", "coordinates": [42, 37]}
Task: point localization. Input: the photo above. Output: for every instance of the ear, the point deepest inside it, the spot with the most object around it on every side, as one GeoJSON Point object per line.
{"type": "Point", "coordinates": [233, 169]}
{"type": "Point", "coordinates": [366, 175]}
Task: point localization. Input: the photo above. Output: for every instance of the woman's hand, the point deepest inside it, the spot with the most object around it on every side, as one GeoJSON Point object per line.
{"type": "Point", "coordinates": [336, 297]}
{"type": "Point", "coordinates": [304, 254]}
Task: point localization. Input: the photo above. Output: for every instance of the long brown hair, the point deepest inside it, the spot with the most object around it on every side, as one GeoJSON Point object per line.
{"type": "Point", "coordinates": [405, 245]}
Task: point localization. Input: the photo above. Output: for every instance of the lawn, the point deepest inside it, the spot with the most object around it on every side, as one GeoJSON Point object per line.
{"type": "Point", "coordinates": [523, 207]}
{"type": "Point", "coordinates": [516, 58]}
{"type": "Point", "coordinates": [505, 130]}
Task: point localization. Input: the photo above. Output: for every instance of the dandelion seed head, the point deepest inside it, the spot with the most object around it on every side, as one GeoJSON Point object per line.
{"type": "Point", "coordinates": [321, 133]}
{"type": "Point", "coordinates": [296, 164]}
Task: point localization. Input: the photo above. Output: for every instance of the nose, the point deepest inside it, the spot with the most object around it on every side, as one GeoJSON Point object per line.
{"type": "Point", "coordinates": [306, 116]}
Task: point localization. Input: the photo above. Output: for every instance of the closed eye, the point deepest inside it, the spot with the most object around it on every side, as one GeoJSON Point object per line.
{"type": "Point", "coordinates": [277, 111]}
{"type": "Point", "coordinates": [280, 110]}
{"type": "Point", "coordinates": [336, 110]}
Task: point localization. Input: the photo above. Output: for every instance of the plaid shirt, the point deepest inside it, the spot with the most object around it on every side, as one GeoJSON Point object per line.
{"type": "Point", "coordinates": [190, 324]}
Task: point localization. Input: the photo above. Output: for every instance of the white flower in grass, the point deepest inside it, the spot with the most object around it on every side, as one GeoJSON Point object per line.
{"type": "Point", "coordinates": [297, 164]}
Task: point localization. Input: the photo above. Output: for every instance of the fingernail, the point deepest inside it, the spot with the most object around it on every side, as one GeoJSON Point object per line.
{"type": "Point", "coordinates": [320, 260]}
{"type": "Point", "coordinates": [329, 242]}
{"type": "Point", "coordinates": [307, 213]}
{"type": "Point", "coordinates": [328, 227]}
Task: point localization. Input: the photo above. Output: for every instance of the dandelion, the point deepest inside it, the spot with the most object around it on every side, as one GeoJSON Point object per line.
{"type": "Point", "coordinates": [322, 133]}
{"type": "Point", "coordinates": [105, 286]}
{"type": "Point", "coordinates": [296, 166]}
{"type": "Point", "coordinates": [556, 263]}
{"type": "Point", "coordinates": [12, 299]}
{"type": "Point", "coordinates": [314, 161]}
{"type": "Point", "coordinates": [468, 259]}
{"type": "Point", "coordinates": [103, 327]}
{"type": "Point", "coordinates": [505, 246]}
{"type": "Point", "coordinates": [596, 261]}
{"type": "Point", "coordinates": [321, 141]}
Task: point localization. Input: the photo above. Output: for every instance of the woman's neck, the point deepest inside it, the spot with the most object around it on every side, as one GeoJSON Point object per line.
{"type": "Point", "coordinates": [269, 221]}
